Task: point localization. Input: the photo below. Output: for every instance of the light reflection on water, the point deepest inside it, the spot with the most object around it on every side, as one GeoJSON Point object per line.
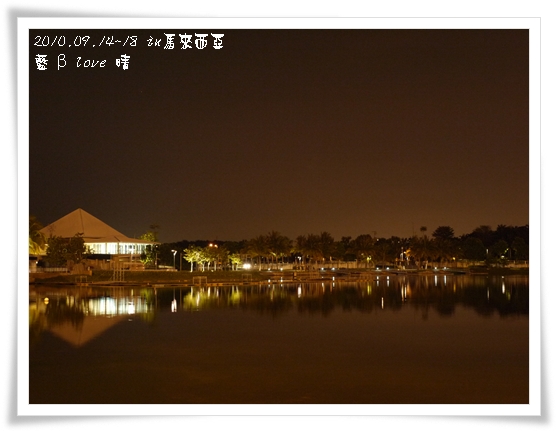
{"type": "Point", "coordinates": [473, 332]}
{"type": "Point", "coordinates": [503, 295]}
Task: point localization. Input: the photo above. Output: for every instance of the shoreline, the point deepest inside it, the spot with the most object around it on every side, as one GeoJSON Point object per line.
{"type": "Point", "coordinates": [159, 279]}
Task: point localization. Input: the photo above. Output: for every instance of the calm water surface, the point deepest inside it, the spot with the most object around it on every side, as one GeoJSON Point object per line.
{"type": "Point", "coordinates": [402, 339]}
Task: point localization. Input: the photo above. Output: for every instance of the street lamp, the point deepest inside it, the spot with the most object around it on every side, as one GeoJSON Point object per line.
{"type": "Point", "coordinates": [174, 251]}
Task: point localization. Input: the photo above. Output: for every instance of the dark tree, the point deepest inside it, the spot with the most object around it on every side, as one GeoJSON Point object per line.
{"type": "Point", "coordinates": [520, 249]}
{"type": "Point", "coordinates": [443, 232]}
{"type": "Point", "coordinates": [473, 249]}
{"type": "Point", "coordinates": [60, 250]}
{"type": "Point", "coordinates": [485, 234]}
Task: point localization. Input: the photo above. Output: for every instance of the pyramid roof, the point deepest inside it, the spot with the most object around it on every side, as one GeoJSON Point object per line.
{"type": "Point", "coordinates": [92, 228]}
{"type": "Point", "coordinates": [91, 328]}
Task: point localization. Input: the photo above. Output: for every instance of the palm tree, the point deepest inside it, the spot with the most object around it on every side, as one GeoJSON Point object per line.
{"type": "Point", "coordinates": [301, 247]}
{"type": "Point", "coordinates": [385, 251]}
{"type": "Point", "coordinates": [278, 245]}
{"type": "Point", "coordinates": [342, 249]}
{"type": "Point", "coordinates": [285, 248]}
{"type": "Point", "coordinates": [312, 247]}
{"type": "Point", "coordinates": [420, 250]}
{"type": "Point", "coordinates": [326, 245]}
{"type": "Point", "coordinates": [257, 247]}
{"type": "Point", "coordinates": [37, 240]}
{"type": "Point", "coordinates": [444, 243]}
{"type": "Point", "coordinates": [363, 247]}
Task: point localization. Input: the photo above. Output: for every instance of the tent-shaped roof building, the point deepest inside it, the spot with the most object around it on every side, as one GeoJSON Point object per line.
{"type": "Point", "coordinates": [98, 236]}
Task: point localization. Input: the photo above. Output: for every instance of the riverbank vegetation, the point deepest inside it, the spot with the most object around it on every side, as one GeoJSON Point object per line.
{"type": "Point", "coordinates": [484, 248]}
{"type": "Point", "coordinates": [503, 247]}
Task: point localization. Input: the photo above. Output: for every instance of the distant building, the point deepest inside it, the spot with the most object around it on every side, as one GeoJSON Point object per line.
{"type": "Point", "coordinates": [97, 235]}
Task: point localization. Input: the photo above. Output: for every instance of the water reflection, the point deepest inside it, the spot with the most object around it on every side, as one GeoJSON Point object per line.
{"type": "Point", "coordinates": [402, 339]}
{"type": "Point", "coordinates": [483, 294]}
{"type": "Point", "coordinates": [505, 296]}
{"type": "Point", "coordinates": [75, 314]}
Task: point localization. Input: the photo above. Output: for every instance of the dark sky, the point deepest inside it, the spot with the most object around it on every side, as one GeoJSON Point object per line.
{"type": "Point", "coordinates": [298, 131]}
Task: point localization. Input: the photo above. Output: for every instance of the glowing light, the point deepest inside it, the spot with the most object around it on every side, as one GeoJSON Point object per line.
{"type": "Point", "coordinates": [174, 306]}
{"type": "Point", "coordinates": [299, 292]}
{"type": "Point", "coordinates": [46, 301]}
{"type": "Point", "coordinates": [246, 266]}
{"type": "Point", "coordinates": [130, 308]}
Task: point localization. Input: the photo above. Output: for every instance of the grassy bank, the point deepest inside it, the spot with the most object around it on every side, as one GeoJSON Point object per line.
{"type": "Point", "coordinates": [153, 277]}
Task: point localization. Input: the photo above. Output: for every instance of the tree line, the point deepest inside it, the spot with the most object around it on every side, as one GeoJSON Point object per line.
{"type": "Point", "coordinates": [484, 244]}
{"type": "Point", "coordinates": [500, 246]}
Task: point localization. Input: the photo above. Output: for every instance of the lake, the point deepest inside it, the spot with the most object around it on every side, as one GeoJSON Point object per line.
{"type": "Point", "coordinates": [446, 339]}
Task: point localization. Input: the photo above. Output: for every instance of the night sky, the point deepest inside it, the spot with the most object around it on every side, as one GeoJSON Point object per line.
{"type": "Point", "coordinates": [298, 131]}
